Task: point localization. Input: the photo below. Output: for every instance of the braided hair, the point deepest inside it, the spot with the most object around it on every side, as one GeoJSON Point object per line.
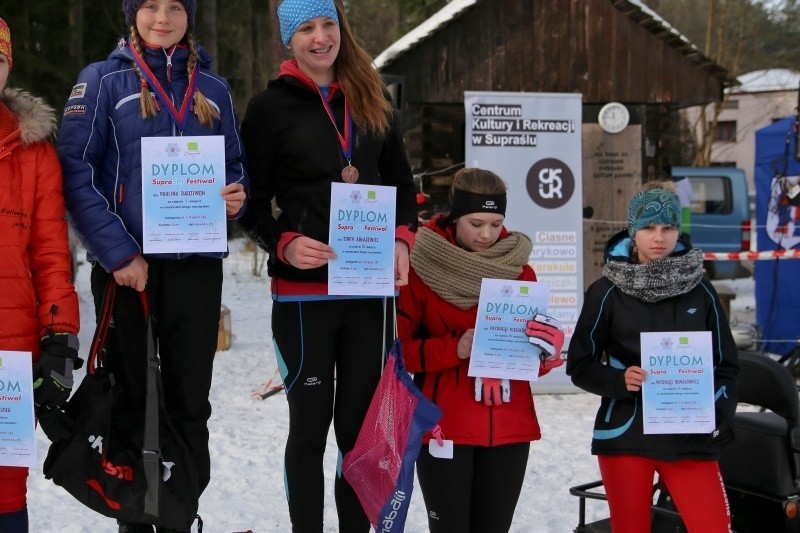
{"type": "Point", "coordinates": [206, 113]}
{"type": "Point", "coordinates": [147, 101]}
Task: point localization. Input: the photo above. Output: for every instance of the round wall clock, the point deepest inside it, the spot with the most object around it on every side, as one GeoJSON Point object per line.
{"type": "Point", "coordinates": [613, 117]}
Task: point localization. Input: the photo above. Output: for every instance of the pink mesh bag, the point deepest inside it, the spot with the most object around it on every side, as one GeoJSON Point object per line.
{"type": "Point", "coordinates": [380, 467]}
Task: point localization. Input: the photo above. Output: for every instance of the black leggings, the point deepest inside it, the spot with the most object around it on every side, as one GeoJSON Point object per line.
{"type": "Point", "coordinates": [185, 297]}
{"type": "Point", "coordinates": [474, 492]}
{"type": "Point", "coordinates": [331, 354]}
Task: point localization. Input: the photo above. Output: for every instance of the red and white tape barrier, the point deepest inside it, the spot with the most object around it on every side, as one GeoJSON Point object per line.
{"type": "Point", "coordinates": [751, 256]}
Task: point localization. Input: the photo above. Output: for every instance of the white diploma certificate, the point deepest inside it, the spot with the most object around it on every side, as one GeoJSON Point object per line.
{"type": "Point", "coordinates": [678, 394]}
{"type": "Point", "coordinates": [500, 348]}
{"type": "Point", "coordinates": [182, 208]}
{"type": "Point", "coordinates": [17, 430]}
{"type": "Point", "coordinates": [362, 235]}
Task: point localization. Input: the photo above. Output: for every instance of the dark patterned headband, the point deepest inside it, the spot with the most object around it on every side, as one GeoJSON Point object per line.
{"type": "Point", "coordinates": [656, 206]}
{"type": "Point", "coordinates": [465, 203]}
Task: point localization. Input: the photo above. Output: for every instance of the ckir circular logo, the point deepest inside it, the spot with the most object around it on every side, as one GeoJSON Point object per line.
{"type": "Point", "coordinates": [550, 183]}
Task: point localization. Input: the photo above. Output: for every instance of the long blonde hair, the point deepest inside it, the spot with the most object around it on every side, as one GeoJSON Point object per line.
{"type": "Point", "coordinates": [362, 85]}
{"type": "Point", "coordinates": [206, 113]}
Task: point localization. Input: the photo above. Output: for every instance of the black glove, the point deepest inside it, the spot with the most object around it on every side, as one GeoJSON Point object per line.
{"type": "Point", "coordinates": [52, 373]}
{"type": "Point", "coordinates": [56, 424]}
{"type": "Point", "coordinates": [722, 434]}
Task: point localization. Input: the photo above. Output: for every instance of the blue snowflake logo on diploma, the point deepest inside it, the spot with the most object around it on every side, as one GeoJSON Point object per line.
{"type": "Point", "coordinates": [172, 149]}
{"type": "Point", "coordinates": [355, 197]}
{"type": "Point", "coordinates": [666, 343]}
{"type": "Point", "coordinates": [506, 291]}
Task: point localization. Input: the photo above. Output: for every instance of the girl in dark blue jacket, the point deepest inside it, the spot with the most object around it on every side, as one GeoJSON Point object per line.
{"type": "Point", "coordinates": [156, 83]}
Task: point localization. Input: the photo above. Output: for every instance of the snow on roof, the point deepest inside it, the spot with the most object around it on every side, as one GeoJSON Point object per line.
{"type": "Point", "coordinates": [663, 23]}
{"type": "Point", "coordinates": [437, 20]}
{"type": "Point", "coordinates": [455, 7]}
{"type": "Point", "coordinates": [774, 79]}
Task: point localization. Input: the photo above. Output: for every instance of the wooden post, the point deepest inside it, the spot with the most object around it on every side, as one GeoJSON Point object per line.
{"type": "Point", "coordinates": [612, 173]}
{"type": "Point", "coordinates": [224, 333]}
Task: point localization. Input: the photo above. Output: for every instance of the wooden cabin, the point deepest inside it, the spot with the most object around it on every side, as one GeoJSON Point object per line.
{"type": "Point", "coordinates": [607, 50]}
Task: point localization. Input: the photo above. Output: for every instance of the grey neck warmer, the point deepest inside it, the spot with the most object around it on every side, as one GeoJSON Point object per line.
{"type": "Point", "coordinates": [657, 280]}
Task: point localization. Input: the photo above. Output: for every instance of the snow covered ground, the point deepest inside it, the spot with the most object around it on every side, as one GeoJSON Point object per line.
{"type": "Point", "coordinates": [248, 435]}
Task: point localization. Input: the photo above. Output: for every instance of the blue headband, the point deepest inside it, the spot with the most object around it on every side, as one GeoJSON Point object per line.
{"type": "Point", "coordinates": [656, 206]}
{"type": "Point", "coordinates": [292, 13]}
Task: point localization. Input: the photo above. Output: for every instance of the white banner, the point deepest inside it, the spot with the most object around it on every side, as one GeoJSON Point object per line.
{"type": "Point", "coordinates": [533, 142]}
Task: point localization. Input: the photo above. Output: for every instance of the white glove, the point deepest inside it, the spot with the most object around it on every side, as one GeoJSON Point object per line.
{"type": "Point", "coordinates": [492, 391]}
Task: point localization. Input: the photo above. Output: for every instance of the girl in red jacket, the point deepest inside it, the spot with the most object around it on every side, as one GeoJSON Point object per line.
{"type": "Point", "coordinates": [38, 304]}
{"type": "Point", "coordinates": [491, 422]}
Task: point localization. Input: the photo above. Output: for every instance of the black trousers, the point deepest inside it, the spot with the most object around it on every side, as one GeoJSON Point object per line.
{"type": "Point", "coordinates": [474, 492]}
{"type": "Point", "coordinates": [184, 297]}
{"type": "Point", "coordinates": [331, 353]}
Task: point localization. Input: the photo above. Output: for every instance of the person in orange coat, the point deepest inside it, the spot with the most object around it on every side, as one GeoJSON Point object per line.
{"type": "Point", "coordinates": [490, 421]}
{"type": "Point", "coordinates": [38, 303]}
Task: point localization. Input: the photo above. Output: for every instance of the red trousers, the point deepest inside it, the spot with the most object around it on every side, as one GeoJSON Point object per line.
{"type": "Point", "coordinates": [696, 488]}
{"type": "Point", "coordinates": [12, 488]}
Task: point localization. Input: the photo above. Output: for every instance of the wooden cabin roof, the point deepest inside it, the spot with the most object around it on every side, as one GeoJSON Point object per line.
{"type": "Point", "coordinates": [608, 50]}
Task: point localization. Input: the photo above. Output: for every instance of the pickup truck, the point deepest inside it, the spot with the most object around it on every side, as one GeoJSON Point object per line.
{"type": "Point", "coordinates": [720, 214]}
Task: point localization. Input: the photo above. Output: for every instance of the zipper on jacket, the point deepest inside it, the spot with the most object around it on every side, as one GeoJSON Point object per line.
{"type": "Point", "coordinates": [610, 408]}
{"type": "Point", "coordinates": [121, 193]}
{"type": "Point", "coordinates": [491, 424]}
{"type": "Point", "coordinates": [168, 55]}
{"type": "Point", "coordinates": [435, 391]}
{"type": "Point", "coordinates": [169, 63]}
{"type": "Point", "coordinates": [303, 213]}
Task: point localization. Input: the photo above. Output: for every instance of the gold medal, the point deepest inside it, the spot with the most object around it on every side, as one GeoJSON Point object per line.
{"type": "Point", "coordinates": [349, 174]}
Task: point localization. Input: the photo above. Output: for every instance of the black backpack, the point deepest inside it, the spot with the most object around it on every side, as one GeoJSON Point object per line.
{"type": "Point", "coordinates": [129, 464]}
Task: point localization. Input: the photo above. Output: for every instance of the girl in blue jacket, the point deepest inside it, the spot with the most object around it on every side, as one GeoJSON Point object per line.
{"type": "Point", "coordinates": [156, 83]}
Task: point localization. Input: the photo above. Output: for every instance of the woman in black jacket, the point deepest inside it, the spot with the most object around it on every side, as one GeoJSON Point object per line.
{"type": "Point", "coordinates": [326, 119]}
{"type": "Point", "coordinates": [653, 281]}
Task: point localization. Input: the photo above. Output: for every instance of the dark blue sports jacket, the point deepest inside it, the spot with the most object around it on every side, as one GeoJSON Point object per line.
{"type": "Point", "coordinates": [100, 149]}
